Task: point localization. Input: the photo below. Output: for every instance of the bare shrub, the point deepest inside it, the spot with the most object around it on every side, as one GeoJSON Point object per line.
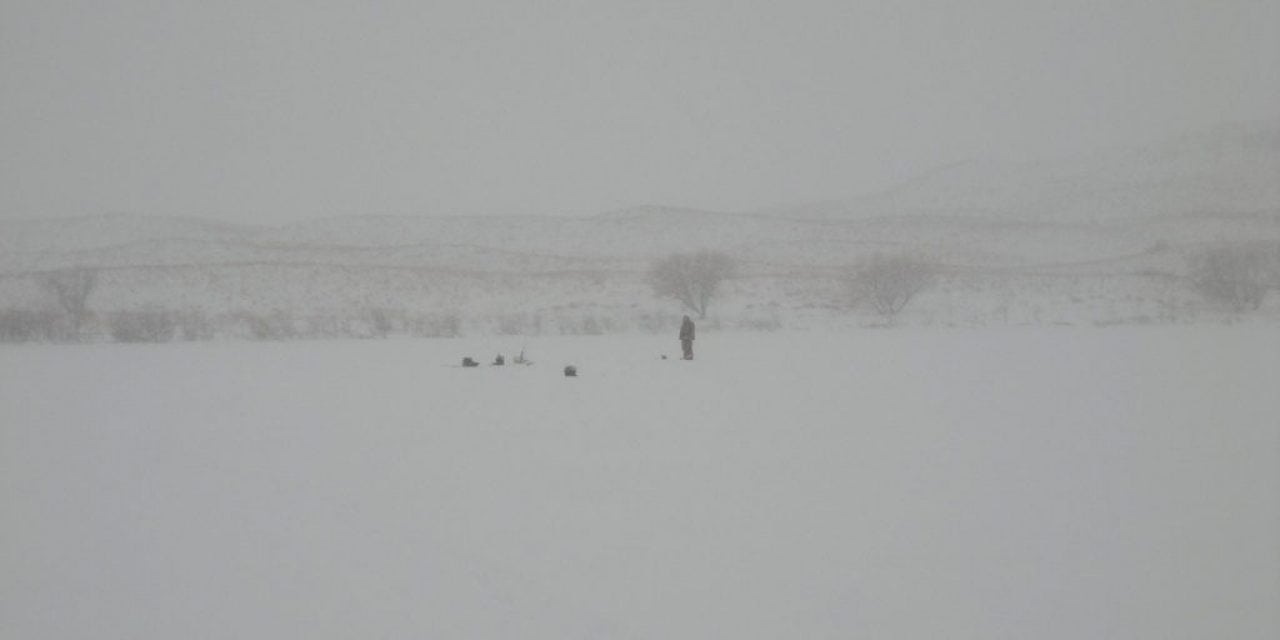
{"type": "Point", "coordinates": [595, 325]}
{"type": "Point", "coordinates": [518, 324]}
{"type": "Point", "coordinates": [277, 325]}
{"type": "Point", "coordinates": [327, 326]}
{"type": "Point", "coordinates": [584, 325]}
{"type": "Point", "coordinates": [70, 289]}
{"type": "Point", "coordinates": [142, 326]}
{"type": "Point", "coordinates": [434, 325]}
{"type": "Point", "coordinates": [1235, 277]}
{"type": "Point", "coordinates": [765, 322]}
{"type": "Point", "coordinates": [194, 325]}
{"type": "Point", "coordinates": [693, 279]}
{"type": "Point", "coordinates": [17, 325]}
{"type": "Point", "coordinates": [379, 321]}
{"type": "Point", "coordinates": [653, 322]}
{"type": "Point", "coordinates": [23, 325]}
{"type": "Point", "coordinates": [888, 283]}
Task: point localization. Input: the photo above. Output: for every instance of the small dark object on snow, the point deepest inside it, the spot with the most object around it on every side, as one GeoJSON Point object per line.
{"type": "Point", "coordinates": [520, 358]}
{"type": "Point", "coordinates": [664, 356]}
{"type": "Point", "coordinates": [468, 362]}
{"type": "Point", "coordinates": [498, 361]}
{"type": "Point", "coordinates": [570, 371]}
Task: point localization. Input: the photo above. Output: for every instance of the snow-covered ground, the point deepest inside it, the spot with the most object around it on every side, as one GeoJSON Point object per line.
{"type": "Point", "coordinates": [1035, 483]}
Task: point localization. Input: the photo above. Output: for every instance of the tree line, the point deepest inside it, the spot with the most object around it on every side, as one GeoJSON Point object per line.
{"type": "Point", "coordinates": [1234, 278]}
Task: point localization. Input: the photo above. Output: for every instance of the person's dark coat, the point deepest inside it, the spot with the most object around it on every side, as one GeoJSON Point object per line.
{"type": "Point", "coordinates": [686, 329]}
{"type": "Point", "coordinates": [686, 338]}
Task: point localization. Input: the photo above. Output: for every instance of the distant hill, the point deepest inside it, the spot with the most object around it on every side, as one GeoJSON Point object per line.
{"type": "Point", "coordinates": [1227, 170]}
{"type": "Point", "coordinates": [1107, 237]}
{"type": "Point", "coordinates": [90, 232]}
{"type": "Point", "coordinates": [1231, 172]}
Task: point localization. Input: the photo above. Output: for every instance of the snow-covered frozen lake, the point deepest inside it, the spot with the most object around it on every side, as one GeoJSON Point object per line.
{"type": "Point", "coordinates": [1039, 483]}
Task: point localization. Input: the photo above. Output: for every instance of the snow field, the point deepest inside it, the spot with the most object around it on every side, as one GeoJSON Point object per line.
{"type": "Point", "coordinates": [1047, 483]}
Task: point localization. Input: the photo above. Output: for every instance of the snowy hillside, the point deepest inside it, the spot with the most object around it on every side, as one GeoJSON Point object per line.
{"type": "Point", "coordinates": [1105, 239]}
{"type": "Point", "coordinates": [27, 237]}
{"type": "Point", "coordinates": [1228, 170]}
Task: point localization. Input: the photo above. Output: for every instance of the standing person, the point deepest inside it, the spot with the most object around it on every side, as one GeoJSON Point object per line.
{"type": "Point", "coordinates": [686, 337]}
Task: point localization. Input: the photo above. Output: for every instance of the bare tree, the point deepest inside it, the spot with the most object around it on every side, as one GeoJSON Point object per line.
{"type": "Point", "coordinates": [691, 278]}
{"type": "Point", "coordinates": [71, 289]}
{"type": "Point", "coordinates": [379, 321]}
{"type": "Point", "coordinates": [888, 283]}
{"type": "Point", "coordinates": [277, 325]}
{"type": "Point", "coordinates": [22, 325]}
{"type": "Point", "coordinates": [195, 324]}
{"type": "Point", "coordinates": [148, 325]}
{"type": "Point", "coordinates": [1236, 277]}
{"type": "Point", "coordinates": [434, 325]}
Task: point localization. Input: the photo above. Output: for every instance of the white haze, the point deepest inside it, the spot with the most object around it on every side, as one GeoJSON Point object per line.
{"type": "Point", "coordinates": [272, 112]}
{"type": "Point", "coordinates": [245, 247]}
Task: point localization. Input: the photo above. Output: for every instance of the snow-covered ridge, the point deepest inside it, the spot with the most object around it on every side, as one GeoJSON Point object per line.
{"type": "Point", "coordinates": [607, 243]}
{"type": "Point", "coordinates": [1231, 169]}
{"type": "Point", "coordinates": [1229, 175]}
{"type": "Point", "coordinates": [1133, 213]}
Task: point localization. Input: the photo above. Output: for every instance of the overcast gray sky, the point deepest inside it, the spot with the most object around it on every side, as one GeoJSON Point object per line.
{"type": "Point", "coordinates": [272, 111]}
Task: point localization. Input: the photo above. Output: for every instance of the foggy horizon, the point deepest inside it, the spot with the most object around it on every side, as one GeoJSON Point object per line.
{"type": "Point", "coordinates": [763, 208]}
{"type": "Point", "coordinates": [271, 115]}
{"type": "Point", "coordinates": [311, 326]}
